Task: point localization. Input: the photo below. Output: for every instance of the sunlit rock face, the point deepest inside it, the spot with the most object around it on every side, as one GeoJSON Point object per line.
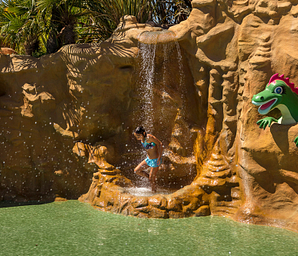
{"type": "Point", "coordinates": [47, 105]}
{"type": "Point", "coordinates": [67, 118]}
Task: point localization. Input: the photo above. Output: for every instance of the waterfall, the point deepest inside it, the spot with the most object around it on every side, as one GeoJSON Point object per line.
{"type": "Point", "coordinates": [145, 89]}
{"type": "Point", "coordinates": [161, 105]}
{"type": "Point", "coordinates": [146, 79]}
{"type": "Point", "coordinates": [180, 63]}
{"type": "Point", "coordinates": [181, 73]}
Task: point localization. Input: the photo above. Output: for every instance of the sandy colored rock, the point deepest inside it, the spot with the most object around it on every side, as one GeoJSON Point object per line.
{"type": "Point", "coordinates": [67, 118]}
{"type": "Point", "coordinates": [7, 51]}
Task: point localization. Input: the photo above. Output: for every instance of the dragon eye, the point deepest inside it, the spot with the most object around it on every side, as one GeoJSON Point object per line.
{"type": "Point", "coordinates": [278, 90]}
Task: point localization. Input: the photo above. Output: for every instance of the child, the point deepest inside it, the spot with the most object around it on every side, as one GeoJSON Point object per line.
{"type": "Point", "coordinates": [154, 151]}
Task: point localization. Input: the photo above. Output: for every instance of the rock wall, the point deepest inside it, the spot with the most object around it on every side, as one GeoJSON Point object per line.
{"type": "Point", "coordinates": [59, 110]}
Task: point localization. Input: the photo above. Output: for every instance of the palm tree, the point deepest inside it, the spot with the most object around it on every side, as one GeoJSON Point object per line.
{"type": "Point", "coordinates": [60, 17]}
{"type": "Point", "coordinates": [169, 12]}
{"type": "Point", "coordinates": [19, 25]}
{"type": "Point", "coordinates": [28, 25]}
{"type": "Point", "coordinates": [105, 15]}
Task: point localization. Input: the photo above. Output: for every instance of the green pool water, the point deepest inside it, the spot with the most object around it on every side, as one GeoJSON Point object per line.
{"type": "Point", "coordinates": [74, 228]}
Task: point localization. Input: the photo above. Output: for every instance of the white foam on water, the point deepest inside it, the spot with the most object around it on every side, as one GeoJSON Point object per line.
{"type": "Point", "coordinates": [145, 191]}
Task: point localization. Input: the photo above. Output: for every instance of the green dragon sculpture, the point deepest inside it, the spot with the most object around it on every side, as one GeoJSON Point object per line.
{"type": "Point", "coordinates": [279, 93]}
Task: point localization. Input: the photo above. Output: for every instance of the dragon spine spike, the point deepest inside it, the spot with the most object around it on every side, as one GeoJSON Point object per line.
{"type": "Point", "coordinates": [286, 80]}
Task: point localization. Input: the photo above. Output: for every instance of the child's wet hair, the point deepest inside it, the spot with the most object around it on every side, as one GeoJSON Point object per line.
{"type": "Point", "coordinates": [140, 130]}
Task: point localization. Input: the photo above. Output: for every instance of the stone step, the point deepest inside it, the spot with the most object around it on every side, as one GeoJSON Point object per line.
{"type": "Point", "coordinates": [216, 156]}
{"type": "Point", "coordinates": [217, 168]}
{"type": "Point", "coordinates": [225, 207]}
{"type": "Point", "coordinates": [224, 211]}
{"type": "Point", "coordinates": [218, 174]}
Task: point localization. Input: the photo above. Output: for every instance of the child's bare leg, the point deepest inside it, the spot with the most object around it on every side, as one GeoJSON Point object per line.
{"type": "Point", "coordinates": [138, 170]}
{"type": "Point", "coordinates": [152, 178]}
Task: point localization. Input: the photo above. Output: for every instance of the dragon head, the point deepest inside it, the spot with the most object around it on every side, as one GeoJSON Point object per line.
{"type": "Point", "coordinates": [276, 92]}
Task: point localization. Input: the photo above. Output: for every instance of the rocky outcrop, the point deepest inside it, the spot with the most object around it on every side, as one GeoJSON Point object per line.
{"type": "Point", "coordinates": [67, 118]}
{"type": "Point", "coordinates": [7, 51]}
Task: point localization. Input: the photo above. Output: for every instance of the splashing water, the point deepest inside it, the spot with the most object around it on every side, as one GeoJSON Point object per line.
{"type": "Point", "coordinates": [144, 191]}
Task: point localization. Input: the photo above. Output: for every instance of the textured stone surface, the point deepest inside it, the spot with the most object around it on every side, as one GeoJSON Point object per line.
{"type": "Point", "coordinates": [70, 115]}
{"type": "Point", "coordinates": [7, 51]}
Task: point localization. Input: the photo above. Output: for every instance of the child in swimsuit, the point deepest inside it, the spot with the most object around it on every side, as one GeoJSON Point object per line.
{"type": "Point", "coordinates": [154, 151]}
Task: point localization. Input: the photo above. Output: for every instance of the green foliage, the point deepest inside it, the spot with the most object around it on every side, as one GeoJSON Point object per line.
{"type": "Point", "coordinates": [168, 12]}
{"type": "Point", "coordinates": [105, 15]}
{"type": "Point", "coordinates": [36, 27]}
{"type": "Point", "coordinates": [20, 26]}
{"type": "Point", "coordinates": [60, 17]}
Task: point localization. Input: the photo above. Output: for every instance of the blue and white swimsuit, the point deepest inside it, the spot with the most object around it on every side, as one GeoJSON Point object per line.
{"type": "Point", "coordinates": [150, 162]}
{"type": "Point", "coordinates": [147, 145]}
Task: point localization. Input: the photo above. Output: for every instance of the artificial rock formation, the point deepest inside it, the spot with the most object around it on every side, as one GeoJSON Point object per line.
{"type": "Point", "coordinates": [67, 118]}
{"type": "Point", "coordinates": [7, 51]}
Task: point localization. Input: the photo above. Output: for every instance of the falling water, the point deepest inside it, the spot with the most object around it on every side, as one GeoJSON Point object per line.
{"type": "Point", "coordinates": [166, 52]}
{"type": "Point", "coordinates": [147, 55]}
{"type": "Point", "coordinates": [181, 73]}
{"type": "Point", "coordinates": [159, 86]}
{"type": "Point", "coordinates": [180, 63]}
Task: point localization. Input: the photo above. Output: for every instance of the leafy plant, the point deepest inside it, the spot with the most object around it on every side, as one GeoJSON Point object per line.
{"type": "Point", "coordinates": [36, 27]}
{"type": "Point", "coordinates": [20, 25]}
{"type": "Point", "coordinates": [169, 12]}
{"type": "Point", "coordinates": [105, 15]}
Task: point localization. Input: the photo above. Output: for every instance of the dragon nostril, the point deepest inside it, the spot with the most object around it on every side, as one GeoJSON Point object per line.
{"type": "Point", "coordinates": [262, 98]}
